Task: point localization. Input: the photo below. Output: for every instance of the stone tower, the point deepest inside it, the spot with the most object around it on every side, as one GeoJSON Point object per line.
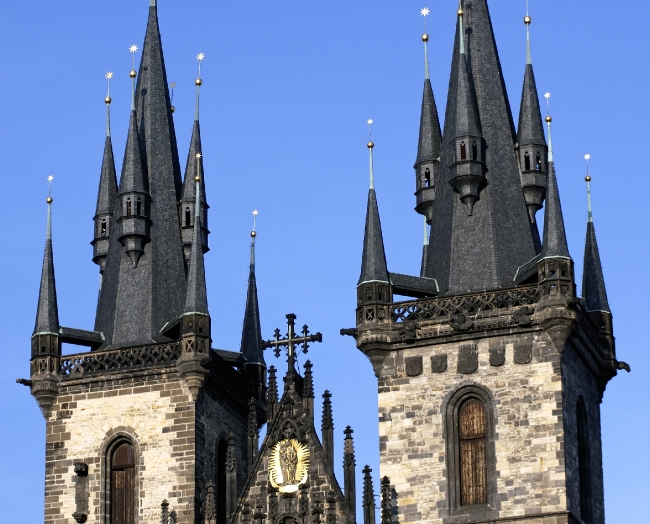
{"type": "Point", "coordinates": [490, 379]}
{"type": "Point", "coordinates": [150, 414]}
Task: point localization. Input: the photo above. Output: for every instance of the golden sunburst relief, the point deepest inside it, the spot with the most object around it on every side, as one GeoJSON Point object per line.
{"type": "Point", "coordinates": [288, 465]}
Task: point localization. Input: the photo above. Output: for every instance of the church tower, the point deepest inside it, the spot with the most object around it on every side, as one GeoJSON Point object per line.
{"type": "Point", "coordinates": [490, 377]}
{"type": "Point", "coordinates": [149, 422]}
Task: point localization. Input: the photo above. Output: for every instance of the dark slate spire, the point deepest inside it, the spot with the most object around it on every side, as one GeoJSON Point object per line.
{"type": "Point", "coordinates": [427, 162]}
{"type": "Point", "coordinates": [136, 303]}
{"type": "Point", "coordinates": [327, 428]}
{"type": "Point", "coordinates": [187, 197]}
{"type": "Point", "coordinates": [251, 337]}
{"type": "Point", "coordinates": [196, 300]}
{"type": "Point", "coordinates": [105, 209]}
{"type": "Point", "coordinates": [47, 312]}
{"type": "Point", "coordinates": [531, 143]}
{"type": "Point", "coordinates": [554, 243]}
{"type": "Point", "coordinates": [373, 262]}
{"type": "Point", "coordinates": [484, 250]}
{"type": "Point", "coordinates": [368, 497]}
{"type": "Point", "coordinates": [349, 475]}
{"type": "Point", "coordinates": [593, 282]}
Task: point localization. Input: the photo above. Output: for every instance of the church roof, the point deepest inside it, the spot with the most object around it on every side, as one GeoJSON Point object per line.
{"type": "Point", "coordinates": [47, 311]}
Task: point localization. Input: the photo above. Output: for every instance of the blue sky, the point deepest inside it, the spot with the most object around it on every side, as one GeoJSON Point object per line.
{"type": "Point", "coordinates": [288, 87]}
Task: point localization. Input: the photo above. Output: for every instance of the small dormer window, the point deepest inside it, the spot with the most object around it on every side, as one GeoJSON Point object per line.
{"type": "Point", "coordinates": [187, 216]}
{"type": "Point", "coordinates": [538, 162]}
{"type": "Point", "coordinates": [527, 162]}
{"type": "Point", "coordinates": [128, 207]}
{"type": "Point", "coordinates": [427, 177]}
{"type": "Point", "coordinates": [463, 151]}
{"type": "Point", "coordinates": [474, 151]}
{"type": "Point", "coordinates": [103, 229]}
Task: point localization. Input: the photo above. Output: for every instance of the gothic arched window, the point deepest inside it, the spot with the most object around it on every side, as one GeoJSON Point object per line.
{"type": "Point", "coordinates": [526, 162]}
{"type": "Point", "coordinates": [463, 151]}
{"type": "Point", "coordinates": [187, 216]}
{"type": "Point", "coordinates": [427, 177]}
{"type": "Point", "coordinates": [538, 162]}
{"type": "Point", "coordinates": [138, 207]}
{"type": "Point", "coordinates": [103, 228]}
{"type": "Point", "coordinates": [128, 207]}
{"type": "Point", "coordinates": [122, 485]}
{"type": "Point", "coordinates": [220, 491]}
{"type": "Point", "coordinates": [472, 443]}
{"type": "Point", "coordinates": [474, 151]}
{"type": "Point", "coordinates": [584, 462]}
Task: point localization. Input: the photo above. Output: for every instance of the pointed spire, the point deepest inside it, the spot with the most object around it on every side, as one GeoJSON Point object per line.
{"type": "Point", "coordinates": [308, 383]}
{"type": "Point", "coordinates": [349, 474]}
{"type": "Point", "coordinates": [593, 281]}
{"type": "Point", "coordinates": [368, 497]}
{"type": "Point", "coordinates": [430, 137]}
{"type": "Point", "coordinates": [386, 502]}
{"type": "Point", "coordinates": [467, 119]}
{"type": "Point", "coordinates": [554, 243]}
{"type": "Point", "coordinates": [327, 428]}
{"type": "Point", "coordinates": [196, 300]}
{"type": "Point", "coordinates": [47, 311]}
{"type": "Point", "coordinates": [373, 264]}
{"type": "Point", "coordinates": [530, 129]}
{"type": "Point", "coordinates": [272, 394]}
{"type": "Point", "coordinates": [251, 337]}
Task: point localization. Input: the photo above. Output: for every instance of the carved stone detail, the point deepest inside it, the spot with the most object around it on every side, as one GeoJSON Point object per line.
{"type": "Point", "coordinates": [467, 359]}
{"type": "Point", "coordinates": [413, 366]}
{"type": "Point", "coordinates": [461, 322]}
{"type": "Point", "coordinates": [523, 353]}
{"type": "Point", "coordinates": [439, 363]}
{"type": "Point", "coordinates": [497, 356]}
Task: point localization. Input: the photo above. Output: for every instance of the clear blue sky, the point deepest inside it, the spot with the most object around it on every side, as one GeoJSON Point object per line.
{"type": "Point", "coordinates": [288, 87]}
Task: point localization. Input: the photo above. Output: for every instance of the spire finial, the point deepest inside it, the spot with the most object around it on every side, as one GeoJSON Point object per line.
{"type": "Point", "coordinates": [461, 29]}
{"type": "Point", "coordinates": [198, 82]}
{"type": "Point", "coordinates": [253, 235]}
{"type": "Point", "coordinates": [527, 21]}
{"type": "Point", "coordinates": [172, 86]}
{"type": "Point", "coordinates": [548, 119]}
{"type": "Point", "coordinates": [49, 200]}
{"type": "Point", "coordinates": [133, 74]}
{"type": "Point", "coordinates": [590, 217]}
{"type": "Point", "coordinates": [108, 101]}
{"type": "Point", "coordinates": [371, 145]}
{"type": "Point", "coordinates": [425, 38]}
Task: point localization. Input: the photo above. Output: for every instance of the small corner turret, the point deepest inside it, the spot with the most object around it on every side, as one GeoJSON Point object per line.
{"type": "Point", "coordinates": [429, 143]}
{"type": "Point", "coordinates": [46, 340]}
{"type": "Point", "coordinates": [531, 145]}
{"type": "Point", "coordinates": [467, 172]}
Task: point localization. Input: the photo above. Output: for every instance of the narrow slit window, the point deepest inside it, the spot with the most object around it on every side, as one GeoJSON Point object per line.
{"type": "Point", "coordinates": [463, 151]}
{"type": "Point", "coordinates": [474, 151]}
{"type": "Point", "coordinates": [538, 162]}
{"type": "Point", "coordinates": [427, 177]}
{"type": "Point", "coordinates": [128, 207]}
{"type": "Point", "coordinates": [187, 216]}
{"type": "Point", "coordinates": [527, 162]}
{"type": "Point", "coordinates": [473, 461]}
{"type": "Point", "coordinates": [138, 207]}
{"type": "Point", "coordinates": [103, 229]}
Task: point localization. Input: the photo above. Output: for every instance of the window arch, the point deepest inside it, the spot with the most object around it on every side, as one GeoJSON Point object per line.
{"type": "Point", "coordinates": [526, 161]}
{"type": "Point", "coordinates": [474, 150]}
{"type": "Point", "coordinates": [584, 461]}
{"type": "Point", "coordinates": [103, 229]}
{"type": "Point", "coordinates": [427, 177]}
{"type": "Point", "coordinates": [128, 207]}
{"type": "Point", "coordinates": [187, 216]}
{"type": "Point", "coordinates": [138, 207]}
{"type": "Point", "coordinates": [538, 162]}
{"type": "Point", "coordinates": [122, 483]}
{"type": "Point", "coordinates": [463, 151]}
{"type": "Point", "coordinates": [220, 491]}
{"type": "Point", "coordinates": [471, 459]}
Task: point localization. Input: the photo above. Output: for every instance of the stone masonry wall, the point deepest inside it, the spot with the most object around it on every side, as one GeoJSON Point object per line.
{"type": "Point", "coordinates": [151, 408]}
{"type": "Point", "coordinates": [528, 433]}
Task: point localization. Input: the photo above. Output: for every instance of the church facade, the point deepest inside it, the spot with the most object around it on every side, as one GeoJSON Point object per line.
{"type": "Point", "coordinates": [490, 373]}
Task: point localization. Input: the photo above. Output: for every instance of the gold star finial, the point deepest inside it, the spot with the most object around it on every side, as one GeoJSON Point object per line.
{"type": "Point", "coordinates": [547, 95]}
{"type": "Point", "coordinates": [109, 75]}
{"type": "Point", "coordinates": [200, 57]}
{"type": "Point", "coordinates": [132, 50]}
{"type": "Point", "coordinates": [255, 213]}
{"type": "Point", "coordinates": [198, 155]}
{"type": "Point", "coordinates": [424, 11]}
{"type": "Point", "coordinates": [587, 157]}
{"type": "Point", "coordinates": [49, 189]}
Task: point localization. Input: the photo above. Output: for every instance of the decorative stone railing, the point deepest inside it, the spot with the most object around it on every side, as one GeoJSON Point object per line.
{"type": "Point", "coordinates": [84, 364]}
{"type": "Point", "coordinates": [444, 308]}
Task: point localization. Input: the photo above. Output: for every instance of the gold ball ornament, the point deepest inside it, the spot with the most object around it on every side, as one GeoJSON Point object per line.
{"type": "Point", "coordinates": [198, 82]}
{"type": "Point", "coordinates": [425, 37]}
{"type": "Point", "coordinates": [173, 109]}
{"type": "Point", "coordinates": [587, 178]}
{"type": "Point", "coordinates": [49, 200]}
{"type": "Point", "coordinates": [133, 74]}
{"type": "Point", "coordinates": [371, 145]}
{"type": "Point", "coordinates": [527, 20]}
{"type": "Point", "coordinates": [459, 12]}
{"type": "Point", "coordinates": [548, 119]}
{"type": "Point", "coordinates": [253, 234]}
{"type": "Point", "coordinates": [108, 100]}
{"type": "Point", "coordinates": [197, 178]}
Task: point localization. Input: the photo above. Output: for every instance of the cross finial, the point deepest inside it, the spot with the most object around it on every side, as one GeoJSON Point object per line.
{"type": "Point", "coordinates": [292, 343]}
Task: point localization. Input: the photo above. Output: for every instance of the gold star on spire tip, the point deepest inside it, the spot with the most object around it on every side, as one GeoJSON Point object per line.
{"type": "Point", "coordinates": [50, 178]}
{"type": "Point", "coordinates": [424, 11]}
{"type": "Point", "coordinates": [547, 95]}
{"type": "Point", "coordinates": [172, 85]}
{"type": "Point", "coordinates": [256, 212]}
{"type": "Point", "coordinates": [109, 75]}
{"type": "Point", "coordinates": [133, 48]}
{"type": "Point", "coordinates": [200, 56]}
{"type": "Point", "coordinates": [370, 122]}
{"type": "Point", "coordinates": [198, 155]}
{"type": "Point", "coordinates": [587, 156]}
